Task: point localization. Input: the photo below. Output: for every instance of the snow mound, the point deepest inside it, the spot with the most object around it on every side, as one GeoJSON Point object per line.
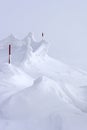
{"type": "Point", "coordinates": [38, 92]}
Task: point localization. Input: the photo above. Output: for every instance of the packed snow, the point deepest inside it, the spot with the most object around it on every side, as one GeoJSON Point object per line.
{"type": "Point", "coordinates": [38, 92]}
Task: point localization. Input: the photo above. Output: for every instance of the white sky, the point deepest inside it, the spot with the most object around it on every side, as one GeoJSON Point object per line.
{"type": "Point", "coordinates": [64, 23]}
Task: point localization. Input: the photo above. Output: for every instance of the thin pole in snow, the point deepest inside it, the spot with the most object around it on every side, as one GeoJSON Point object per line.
{"type": "Point", "coordinates": [9, 60]}
{"type": "Point", "coordinates": [42, 34]}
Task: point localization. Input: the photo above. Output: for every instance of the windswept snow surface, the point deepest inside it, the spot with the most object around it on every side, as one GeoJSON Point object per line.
{"type": "Point", "coordinates": [38, 92]}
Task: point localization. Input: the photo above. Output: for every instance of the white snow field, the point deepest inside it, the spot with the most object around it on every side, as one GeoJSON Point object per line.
{"type": "Point", "coordinates": [38, 92]}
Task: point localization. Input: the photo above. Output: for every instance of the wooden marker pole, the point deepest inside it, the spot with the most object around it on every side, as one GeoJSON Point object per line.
{"type": "Point", "coordinates": [9, 60]}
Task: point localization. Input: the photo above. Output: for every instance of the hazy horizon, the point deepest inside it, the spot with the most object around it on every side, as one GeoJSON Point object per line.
{"type": "Point", "coordinates": [63, 22]}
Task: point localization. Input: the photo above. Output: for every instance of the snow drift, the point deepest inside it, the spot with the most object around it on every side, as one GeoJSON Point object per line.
{"type": "Point", "coordinates": [38, 92]}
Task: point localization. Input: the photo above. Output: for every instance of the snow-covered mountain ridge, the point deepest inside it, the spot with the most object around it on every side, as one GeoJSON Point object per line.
{"type": "Point", "coordinates": [38, 92]}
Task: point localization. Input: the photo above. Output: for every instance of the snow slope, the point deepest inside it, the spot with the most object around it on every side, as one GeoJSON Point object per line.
{"type": "Point", "coordinates": [38, 92]}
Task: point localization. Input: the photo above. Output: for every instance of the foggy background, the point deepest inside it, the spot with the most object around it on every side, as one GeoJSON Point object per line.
{"type": "Point", "coordinates": [64, 23]}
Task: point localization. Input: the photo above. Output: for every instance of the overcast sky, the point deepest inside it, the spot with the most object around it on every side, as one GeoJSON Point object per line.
{"type": "Point", "coordinates": [64, 23]}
